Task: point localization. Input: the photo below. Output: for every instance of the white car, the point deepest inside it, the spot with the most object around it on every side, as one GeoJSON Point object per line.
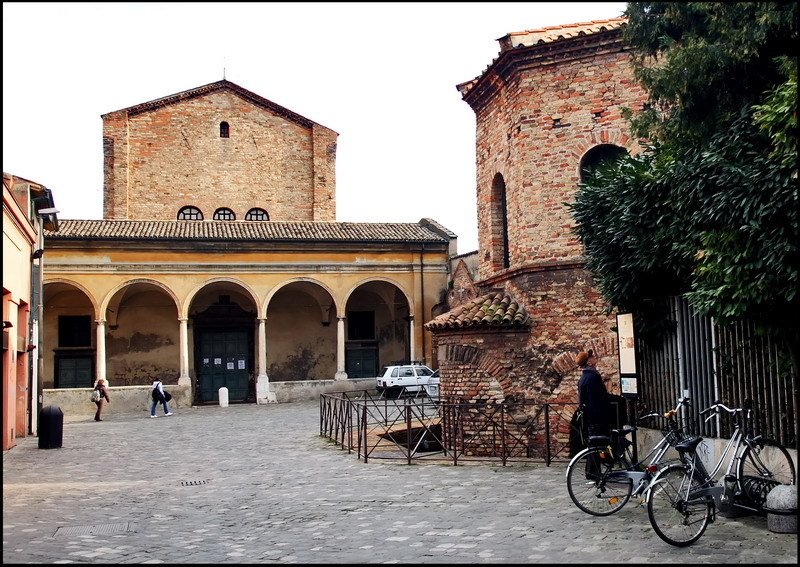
{"type": "Point", "coordinates": [408, 378]}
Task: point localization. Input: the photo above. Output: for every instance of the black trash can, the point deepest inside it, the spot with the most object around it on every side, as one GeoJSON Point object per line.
{"type": "Point", "coordinates": [51, 427]}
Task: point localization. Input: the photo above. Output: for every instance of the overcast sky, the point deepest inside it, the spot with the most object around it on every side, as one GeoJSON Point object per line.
{"type": "Point", "coordinates": [382, 75]}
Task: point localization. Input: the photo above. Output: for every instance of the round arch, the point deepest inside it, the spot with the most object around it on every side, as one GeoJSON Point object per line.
{"type": "Point", "coordinates": [190, 297]}
{"type": "Point", "coordinates": [361, 283]}
{"type": "Point", "coordinates": [313, 281]}
{"type": "Point", "coordinates": [55, 282]}
{"type": "Point", "coordinates": [111, 296]}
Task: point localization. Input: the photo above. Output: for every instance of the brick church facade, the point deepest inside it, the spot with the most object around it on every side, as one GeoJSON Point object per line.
{"type": "Point", "coordinates": [547, 108]}
{"type": "Point", "coordinates": [219, 263]}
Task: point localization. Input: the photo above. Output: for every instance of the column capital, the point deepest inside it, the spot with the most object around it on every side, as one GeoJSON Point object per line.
{"type": "Point", "coordinates": [100, 321]}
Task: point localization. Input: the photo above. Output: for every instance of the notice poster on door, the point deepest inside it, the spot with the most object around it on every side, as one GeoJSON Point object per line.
{"type": "Point", "coordinates": [230, 366]}
{"type": "Point", "coordinates": [241, 365]}
{"type": "Point", "coordinates": [627, 350]}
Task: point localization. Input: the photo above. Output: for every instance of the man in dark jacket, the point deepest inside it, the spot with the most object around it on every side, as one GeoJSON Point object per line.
{"type": "Point", "coordinates": [593, 396]}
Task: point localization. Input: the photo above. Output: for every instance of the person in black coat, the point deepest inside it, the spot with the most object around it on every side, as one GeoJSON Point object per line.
{"type": "Point", "coordinates": [593, 396]}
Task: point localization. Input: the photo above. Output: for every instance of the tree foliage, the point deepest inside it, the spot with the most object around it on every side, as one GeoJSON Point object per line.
{"type": "Point", "coordinates": [710, 207]}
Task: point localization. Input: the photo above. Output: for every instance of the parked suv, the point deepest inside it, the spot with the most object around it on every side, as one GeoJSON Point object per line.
{"type": "Point", "coordinates": [409, 378]}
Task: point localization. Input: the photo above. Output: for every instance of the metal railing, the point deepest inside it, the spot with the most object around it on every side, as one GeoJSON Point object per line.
{"type": "Point", "coordinates": [419, 428]}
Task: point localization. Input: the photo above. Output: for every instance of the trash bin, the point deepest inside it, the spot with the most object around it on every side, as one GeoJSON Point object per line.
{"type": "Point", "coordinates": [51, 427]}
{"type": "Point", "coordinates": [223, 397]}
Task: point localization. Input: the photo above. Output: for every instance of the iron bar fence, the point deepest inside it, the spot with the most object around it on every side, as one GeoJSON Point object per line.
{"type": "Point", "coordinates": [424, 429]}
{"type": "Point", "coordinates": [696, 356]}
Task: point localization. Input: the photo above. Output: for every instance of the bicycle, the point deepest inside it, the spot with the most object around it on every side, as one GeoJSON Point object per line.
{"type": "Point", "coordinates": [601, 477]}
{"type": "Point", "coordinates": [683, 498]}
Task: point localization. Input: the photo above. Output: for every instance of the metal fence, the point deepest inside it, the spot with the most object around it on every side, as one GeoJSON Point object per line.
{"type": "Point", "coordinates": [709, 362]}
{"type": "Point", "coordinates": [418, 429]}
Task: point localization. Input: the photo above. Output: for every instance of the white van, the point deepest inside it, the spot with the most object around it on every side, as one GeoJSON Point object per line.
{"type": "Point", "coordinates": [408, 378]}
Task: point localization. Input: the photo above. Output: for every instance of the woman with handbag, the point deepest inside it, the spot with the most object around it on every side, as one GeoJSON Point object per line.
{"type": "Point", "coordinates": [100, 397]}
{"type": "Point", "coordinates": [159, 396]}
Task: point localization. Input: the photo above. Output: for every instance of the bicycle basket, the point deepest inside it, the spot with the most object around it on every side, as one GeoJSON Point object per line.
{"type": "Point", "coordinates": [673, 436]}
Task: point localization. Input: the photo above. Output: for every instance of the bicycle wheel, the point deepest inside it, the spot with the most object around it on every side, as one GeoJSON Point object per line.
{"type": "Point", "coordinates": [762, 467]}
{"type": "Point", "coordinates": [675, 519]}
{"type": "Point", "coordinates": [596, 484]}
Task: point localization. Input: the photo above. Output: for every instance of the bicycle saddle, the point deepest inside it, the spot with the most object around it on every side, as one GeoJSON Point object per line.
{"type": "Point", "coordinates": [689, 444]}
{"type": "Point", "coordinates": [596, 440]}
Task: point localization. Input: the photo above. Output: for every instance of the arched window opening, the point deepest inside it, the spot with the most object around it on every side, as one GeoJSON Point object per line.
{"type": "Point", "coordinates": [224, 213]}
{"type": "Point", "coordinates": [224, 130]}
{"type": "Point", "coordinates": [500, 218]}
{"type": "Point", "coordinates": [256, 214]}
{"type": "Point", "coordinates": [598, 156]}
{"type": "Point", "coordinates": [190, 213]}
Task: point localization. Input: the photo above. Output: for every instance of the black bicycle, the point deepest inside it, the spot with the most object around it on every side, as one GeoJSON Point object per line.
{"type": "Point", "coordinates": [604, 476]}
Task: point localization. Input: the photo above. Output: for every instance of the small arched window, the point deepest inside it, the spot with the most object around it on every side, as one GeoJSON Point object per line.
{"type": "Point", "coordinates": [598, 156]}
{"type": "Point", "coordinates": [190, 213]}
{"type": "Point", "coordinates": [224, 213]}
{"type": "Point", "coordinates": [499, 220]}
{"type": "Point", "coordinates": [257, 214]}
{"type": "Point", "coordinates": [224, 130]}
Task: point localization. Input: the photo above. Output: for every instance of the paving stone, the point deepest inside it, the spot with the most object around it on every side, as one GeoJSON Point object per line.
{"type": "Point", "coordinates": [257, 484]}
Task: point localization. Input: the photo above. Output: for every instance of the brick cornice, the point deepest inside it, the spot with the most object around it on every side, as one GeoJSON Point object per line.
{"type": "Point", "coordinates": [512, 61]}
{"type": "Point", "coordinates": [551, 266]}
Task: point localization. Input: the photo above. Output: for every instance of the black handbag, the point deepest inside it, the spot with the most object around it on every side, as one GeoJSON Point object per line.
{"type": "Point", "coordinates": [167, 396]}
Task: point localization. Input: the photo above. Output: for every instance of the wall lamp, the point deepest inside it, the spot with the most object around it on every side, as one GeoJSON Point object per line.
{"type": "Point", "coordinates": [7, 324]}
{"type": "Point", "coordinates": [37, 254]}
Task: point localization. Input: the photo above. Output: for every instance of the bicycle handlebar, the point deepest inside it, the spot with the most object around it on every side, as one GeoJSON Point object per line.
{"type": "Point", "coordinates": [670, 413]}
{"type": "Point", "coordinates": [718, 405]}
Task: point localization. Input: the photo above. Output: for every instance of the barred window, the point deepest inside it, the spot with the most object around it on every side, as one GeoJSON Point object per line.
{"type": "Point", "coordinates": [190, 213]}
{"type": "Point", "coordinates": [224, 213]}
{"type": "Point", "coordinates": [257, 214]}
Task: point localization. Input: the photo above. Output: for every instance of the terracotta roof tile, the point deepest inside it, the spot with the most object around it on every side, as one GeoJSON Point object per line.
{"type": "Point", "coordinates": [541, 36]}
{"type": "Point", "coordinates": [243, 231]}
{"type": "Point", "coordinates": [495, 309]}
{"type": "Point", "coordinates": [551, 34]}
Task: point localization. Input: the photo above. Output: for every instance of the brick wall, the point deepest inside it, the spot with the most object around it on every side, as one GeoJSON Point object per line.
{"type": "Point", "coordinates": [533, 131]}
{"type": "Point", "coordinates": [568, 315]}
{"type": "Point", "coordinates": [170, 156]}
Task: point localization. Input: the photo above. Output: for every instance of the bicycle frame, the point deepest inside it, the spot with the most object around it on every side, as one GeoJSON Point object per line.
{"type": "Point", "coordinates": [722, 494]}
{"type": "Point", "coordinates": [640, 479]}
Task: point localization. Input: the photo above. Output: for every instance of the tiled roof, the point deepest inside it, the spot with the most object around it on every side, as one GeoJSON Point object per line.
{"type": "Point", "coordinates": [495, 309]}
{"type": "Point", "coordinates": [541, 36]}
{"type": "Point", "coordinates": [551, 34]}
{"type": "Point", "coordinates": [157, 230]}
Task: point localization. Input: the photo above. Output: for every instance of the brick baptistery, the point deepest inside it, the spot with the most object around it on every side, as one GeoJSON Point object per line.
{"type": "Point", "coordinates": [549, 106]}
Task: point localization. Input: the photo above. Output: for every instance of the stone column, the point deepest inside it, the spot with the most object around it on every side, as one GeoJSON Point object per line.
{"type": "Point", "coordinates": [412, 347]}
{"type": "Point", "coordinates": [264, 394]}
{"type": "Point", "coordinates": [183, 379]}
{"type": "Point", "coordinates": [101, 350]}
{"type": "Point", "coordinates": [340, 336]}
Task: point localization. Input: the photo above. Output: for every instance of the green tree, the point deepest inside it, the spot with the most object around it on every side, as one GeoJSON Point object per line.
{"type": "Point", "coordinates": [710, 208]}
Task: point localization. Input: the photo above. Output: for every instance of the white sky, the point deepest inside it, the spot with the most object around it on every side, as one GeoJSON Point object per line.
{"type": "Point", "coordinates": [382, 75]}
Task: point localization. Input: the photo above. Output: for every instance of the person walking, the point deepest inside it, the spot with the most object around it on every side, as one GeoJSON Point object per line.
{"type": "Point", "coordinates": [102, 397]}
{"type": "Point", "coordinates": [159, 396]}
{"type": "Point", "coordinates": [593, 397]}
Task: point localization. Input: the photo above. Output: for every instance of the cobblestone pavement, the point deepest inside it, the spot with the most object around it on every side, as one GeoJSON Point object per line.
{"type": "Point", "coordinates": [257, 484]}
